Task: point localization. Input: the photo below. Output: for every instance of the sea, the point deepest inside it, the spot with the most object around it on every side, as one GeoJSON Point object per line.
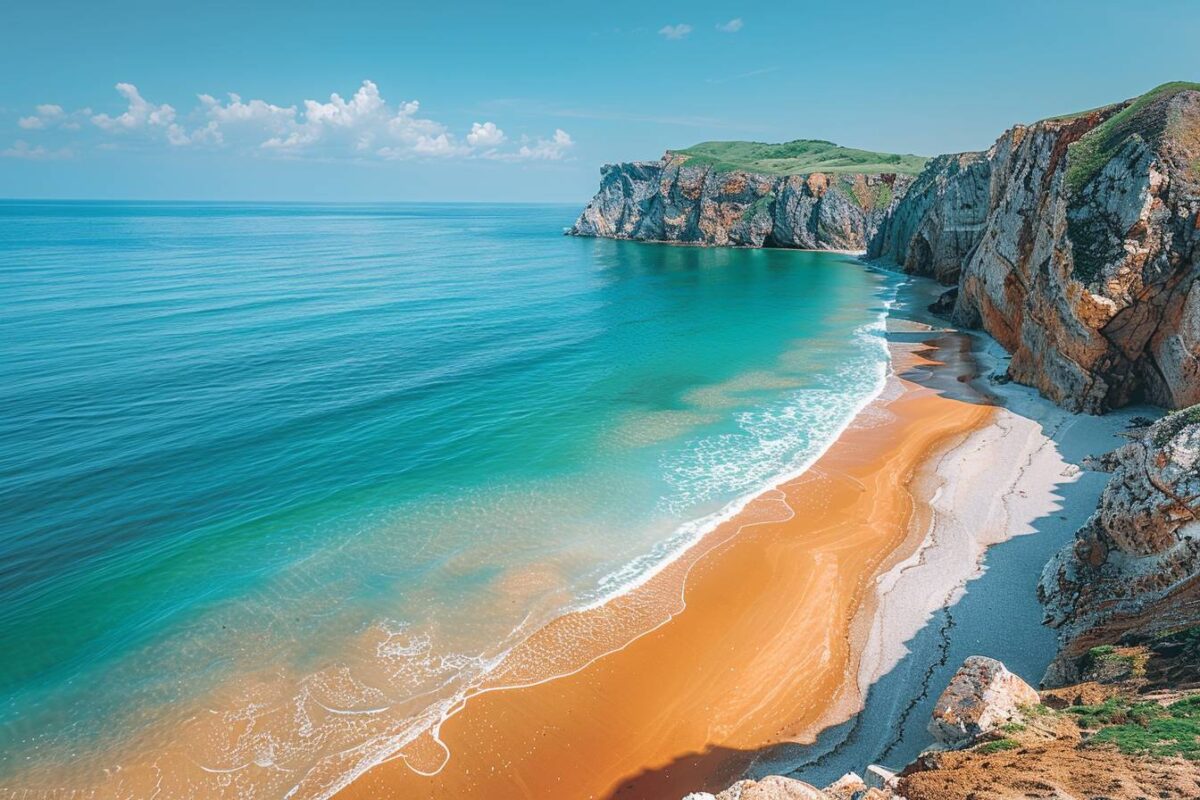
{"type": "Point", "coordinates": [281, 482]}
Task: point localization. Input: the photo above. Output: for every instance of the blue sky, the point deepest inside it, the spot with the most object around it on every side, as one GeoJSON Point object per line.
{"type": "Point", "coordinates": [524, 101]}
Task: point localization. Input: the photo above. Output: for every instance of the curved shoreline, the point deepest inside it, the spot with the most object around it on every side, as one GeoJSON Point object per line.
{"type": "Point", "coordinates": [869, 469]}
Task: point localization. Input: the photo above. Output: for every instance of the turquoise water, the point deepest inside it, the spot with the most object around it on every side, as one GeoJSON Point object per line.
{"type": "Point", "coordinates": [253, 454]}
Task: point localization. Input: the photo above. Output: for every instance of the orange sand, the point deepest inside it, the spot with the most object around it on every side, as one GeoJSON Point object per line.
{"type": "Point", "coordinates": [749, 640]}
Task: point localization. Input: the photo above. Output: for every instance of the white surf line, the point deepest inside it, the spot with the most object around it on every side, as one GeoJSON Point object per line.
{"type": "Point", "coordinates": [737, 506]}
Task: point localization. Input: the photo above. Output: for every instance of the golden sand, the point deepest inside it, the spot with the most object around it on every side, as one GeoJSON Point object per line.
{"type": "Point", "coordinates": [748, 640]}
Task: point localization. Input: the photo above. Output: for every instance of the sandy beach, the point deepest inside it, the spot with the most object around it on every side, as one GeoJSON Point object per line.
{"type": "Point", "coordinates": [763, 633]}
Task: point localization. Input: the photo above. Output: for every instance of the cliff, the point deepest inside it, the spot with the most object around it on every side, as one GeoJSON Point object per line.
{"type": "Point", "coordinates": [802, 194]}
{"type": "Point", "coordinates": [940, 219]}
{"type": "Point", "coordinates": [1128, 731]}
{"type": "Point", "coordinates": [1073, 242]}
{"type": "Point", "coordinates": [1134, 566]}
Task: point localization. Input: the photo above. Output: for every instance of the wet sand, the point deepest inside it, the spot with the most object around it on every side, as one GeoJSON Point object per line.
{"type": "Point", "coordinates": [750, 639]}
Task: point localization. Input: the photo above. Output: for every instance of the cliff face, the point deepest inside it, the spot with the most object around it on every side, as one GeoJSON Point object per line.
{"type": "Point", "coordinates": [941, 218]}
{"type": "Point", "coordinates": [1134, 567]}
{"type": "Point", "coordinates": [671, 200]}
{"type": "Point", "coordinates": [1074, 242]}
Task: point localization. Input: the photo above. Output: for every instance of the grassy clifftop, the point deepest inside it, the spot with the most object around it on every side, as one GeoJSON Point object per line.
{"type": "Point", "coordinates": [1149, 117]}
{"type": "Point", "coordinates": [800, 157]}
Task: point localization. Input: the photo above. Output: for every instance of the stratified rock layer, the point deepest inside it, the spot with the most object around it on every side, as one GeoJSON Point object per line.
{"type": "Point", "coordinates": [1074, 242]}
{"type": "Point", "coordinates": [1136, 559]}
{"type": "Point", "coordinates": [671, 200]}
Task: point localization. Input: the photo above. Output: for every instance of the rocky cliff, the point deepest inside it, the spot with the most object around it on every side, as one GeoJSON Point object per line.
{"type": "Point", "coordinates": [940, 219]}
{"type": "Point", "coordinates": [1129, 730]}
{"type": "Point", "coordinates": [1134, 567]}
{"type": "Point", "coordinates": [1074, 242]}
{"type": "Point", "coordinates": [684, 200]}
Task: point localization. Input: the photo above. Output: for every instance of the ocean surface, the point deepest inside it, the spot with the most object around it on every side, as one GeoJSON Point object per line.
{"type": "Point", "coordinates": [281, 481]}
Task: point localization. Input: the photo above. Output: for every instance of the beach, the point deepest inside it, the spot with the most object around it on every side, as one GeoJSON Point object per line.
{"type": "Point", "coordinates": [775, 625]}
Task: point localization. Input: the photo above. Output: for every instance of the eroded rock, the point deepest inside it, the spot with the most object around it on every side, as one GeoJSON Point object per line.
{"type": "Point", "coordinates": [1075, 243]}
{"type": "Point", "coordinates": [772, 787]}
{"type": "Point", "coordinates": [1141, 545]}
{"type": "Point", "coordinates": [671, 200]}
{"type": "Point", "coordinates": [982, 696]}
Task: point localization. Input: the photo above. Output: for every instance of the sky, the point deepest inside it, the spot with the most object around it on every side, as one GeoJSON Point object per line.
{"type": "Point", "coordinates": [369, 101]}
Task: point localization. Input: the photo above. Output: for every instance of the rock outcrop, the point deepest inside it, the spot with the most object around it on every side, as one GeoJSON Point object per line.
{"type": "Point", "coordinates": [1135, 564]}
{"type": "Point", "coordinates": [1128, 738]}
{"type": "Point", "coordinates": [935, 228]}
{"type": "Point", "coordinates": [772, 787]}
{"type": "Point", "coordinates": [982, 696]}
{"type": "Point", "coordinates": [672, 200]}
{"type": "Point", "coordinates": [1075, 243]}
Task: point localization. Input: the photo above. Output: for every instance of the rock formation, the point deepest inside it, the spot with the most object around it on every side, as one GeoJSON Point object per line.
{"type": "Point", "coordinates": [940, 219]}
{"type": "Point", "coordinates": [772, 787]}
{"type": "Point", "coordinates": [672, 200]}
{"type": "Point", "coordinates": [1135, 564]}
{"type": "Point", "coordinates": [1129, 736]}
{"type": "Point", "coordinates": [982, 696]}
{"type": "Point", "coordinates": [1074, 242]}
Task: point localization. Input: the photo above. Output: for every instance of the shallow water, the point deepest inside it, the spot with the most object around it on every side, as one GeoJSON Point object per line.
{"type": "Point", "coordinates": [293, 464]}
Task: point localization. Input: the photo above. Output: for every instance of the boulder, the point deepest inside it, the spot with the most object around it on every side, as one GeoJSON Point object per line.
{"type": "Point", "coordinates": [848, 787]}
{"type": "Point", "coordinates": [772, 787]}
{"type": "Point", "coordinates": [982, 696]}
{"type": "Point", "coordinates": [880, 777]}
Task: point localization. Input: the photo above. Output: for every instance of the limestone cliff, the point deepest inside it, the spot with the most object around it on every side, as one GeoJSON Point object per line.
{"type": "Point", "coordinates": [678, 200]}
{"type": "Point", "coordinates": [1134, 567]}
{"type": "Point", "coordinates": [1074, 242]}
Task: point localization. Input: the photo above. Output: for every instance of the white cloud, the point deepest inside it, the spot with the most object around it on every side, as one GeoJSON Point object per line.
{"type": "Point", "coordinates": [22, 149]}
{"type": "Point", "coordinates": [485, 135]}
{"type": "Point", "coordinates": [364, 126]}
{"type": "Point", "coordinates": [548, 149]}
{"type": "Point", "coordinates": [733, 26]}
{"type": "Point", "coordinates": [675, 31]}
{"type": "Point", "coordinates": [144, 116]}
{"type": "Point", "coordinates": [48, 114]}
{"type": "Point", "coordinates": [139, 113]}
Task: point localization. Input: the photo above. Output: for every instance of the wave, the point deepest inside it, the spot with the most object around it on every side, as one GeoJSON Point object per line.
{"type": "Point", "coordinates": [801, 430]}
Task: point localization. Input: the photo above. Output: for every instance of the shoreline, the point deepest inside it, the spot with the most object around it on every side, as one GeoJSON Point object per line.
{"type": "Point", "coordinates": [930, 423]}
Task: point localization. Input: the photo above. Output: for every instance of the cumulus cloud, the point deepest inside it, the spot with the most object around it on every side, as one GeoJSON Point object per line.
{"type": "Point", "coordinates": [485, 135]}
{"type": "Point", "coordinates": [365, 125]}
{"type": "Point", "coordinates": [733, 26]}
{"type": "Point", "coordinates": [675, 31]}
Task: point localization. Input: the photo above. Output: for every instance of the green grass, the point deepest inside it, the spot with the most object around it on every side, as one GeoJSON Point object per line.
{"type": "Point", "coordinates": [1157, 731]}
{"type": "Point", "coordinates": [884, 198]}
{"type": "Point", "coordinates": [997, 746]}
{"type": "Point", "coordinates": [1149, 119]}
{"type": "Point", "coordinates": [801, 157]}
{"type": "Point", "coordinates": [1145, 117]}
{"type": "Point", "coordinates": [1114, 711]}
{"type": "Point", "coordinates": [1078, 114]}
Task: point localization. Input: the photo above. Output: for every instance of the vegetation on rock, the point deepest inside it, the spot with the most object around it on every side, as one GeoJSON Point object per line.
{"type": "Point", "coordinates": [1148, 117]}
